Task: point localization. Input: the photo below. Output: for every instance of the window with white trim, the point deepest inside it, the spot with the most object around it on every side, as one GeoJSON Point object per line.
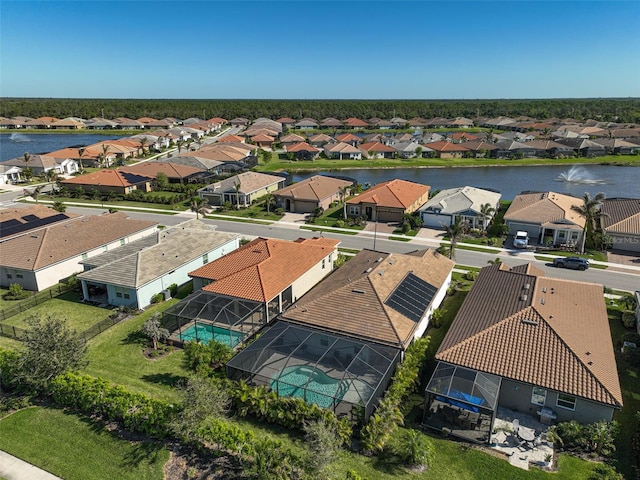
{"type": "Point", "coordinates": [205, 258]}
{"type": "Point", "coordinates": [539, 396]}
{"type": "Point", "coordinates": [566, 401]}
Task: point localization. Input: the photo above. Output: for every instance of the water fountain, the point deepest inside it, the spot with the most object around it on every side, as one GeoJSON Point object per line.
{"type": "Point", "coordinates": [577, 174]}
{"type": "Point", "coordinates": [19, 137]}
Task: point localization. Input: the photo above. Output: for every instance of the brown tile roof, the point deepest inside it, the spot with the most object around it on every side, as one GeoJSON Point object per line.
{"type": "Point", "coordinates": [355, 122]}
{"type": "Point", "coordinates": [361, 287]}
{"type": "Point", "coordinates": [342, 147]}
{"type": "Point", "coordinates": [16, 221]}
{"type": "Point", "coordinates": [392, 193]}
{"type": "Point", "coordinates": [286, 120]}
{"type": "Point", "coordinates": [546, 332]}
{"type": "Point", "coordinates": [376, 147]}
{"type": "Point", "coordinates": [263, 268]}
{"type": "Point", "coordinates": [231, 138]}
{"type": "Point", "coordinates": [292, 138]}
{"type": "Point", "coordinates": [302, 147]}
{"type": "Point", "coordinates": [444, 146]}
{"type": "Point", "coordinates": [543, 208]}
{"type": "Point", "coordinates": [622, 215]}
{"type": "Point", "coordinates": [348, 137]}
{"type": "Point", "coordinates": [109, 178]}
{"type": "Point", "coordinates": [262, 138]}
{"type": "Point", "coordinates": [37, 161]}
{"type": "Point", "coordinates": [60, 242]}
{"type": "Point", "coordinates": [313, 188]}
{"type": "Point", "coordinates": [171, 170]}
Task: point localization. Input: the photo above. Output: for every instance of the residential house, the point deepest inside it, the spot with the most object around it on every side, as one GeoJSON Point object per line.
{"type": "Point", "coordinates": [522, 341]}
{"type": "Point", "coordinates": [462, 203]}
{"type": "Point", "coordinates": [377, 150]}
{"type": "Point", "coordinates": [389, 201]}
{"type": "Point", "coordinates": [618, 146]}
{"type": "Point", "coordinates": [349, 138]}
{"type": "Point", "coordinates": [40, 258]}
{"type": "Point", "coordinates": [132, 274]}
{"type": "Point", "coordinates": [9, 174]}
{"type": "Point", "coordinates": [446, 149]}
{"type": "Point", "coordinates": [41, 164]}
{"type": "Point", "coordinates": [344, 361]}
{"type": "Point", "coordinates": [408, 149]}
{"type": "Point", "coordinates": [479, 148]}
{"type": "Point", "coordinates": [104, 181]}
{"type": "Point", "coordinates": [100, 124]}
{"type": "Point", "coordinates": [306, 124]}
{"type": "Point", "coordinates": [242, 189]}
{"type": "Point", "coordinates": [342, 150]}
{"type": "Point", "coordinates": [41, 122]}
{"type": "Point", "coordinates": [320, 139]}
{"type": "Point", "coordinates": [239, 122]}
{"type": "Point", "coordinates": [128, 123]}
{"type": "Point", "coordinates": [548, 218]}
{"type": "Point", "coordinates": [214, 167]}
{"type": "Point", "coordinates": [584, 147]}
{"type": "Point", "coordinates": [175, 173]}
{"type": "Point", "coordinates": [231, 138]}
{"type": "Point", "coordinates": [355, 123]}
{"type": "Point", "coordinates": [20, 221]}
{"type": "Point", "coordinates": [263, 141]}
{"type": "Point", "coordinates": [331, 123]}
{"type": "Point", "coordinates": [512, 149]}
{"type": "Point", "coordinates": [291, 139]}
{"type": "Point", "coordinates": [302, 151]}
{"type": "Point", "coordinates": [620, 220]}
{"type": "Point", "coordinates": [307, 195]}
{"type": "Point", "coordinates": [550, 149]}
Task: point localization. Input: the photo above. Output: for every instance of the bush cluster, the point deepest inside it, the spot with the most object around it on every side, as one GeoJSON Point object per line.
{"type": "Point", "coordinates": [16, 292]}
{"type": "Point", "coordinates": [388, 417]}
{"type": "Point", "coordinates": [592, 439]}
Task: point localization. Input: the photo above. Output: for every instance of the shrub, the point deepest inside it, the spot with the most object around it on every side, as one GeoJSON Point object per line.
{"type": "Point", "coordinates": [597, 438]}
{"type": "Point", "coordinates": [628, 319]}
{"type": "Point", "coordinates": [406, 228]}
{"type": "Point", "coordinates": [16, 292]}
{"type": "Point", "coordinates": [173, 289]}
{"type": "Point", "coordinates": [157, 298]}
{"type": "Point", "coordinates": [605, 472]}
{"type": "Point", "coordinates": [471, 275]}
{"type": "Point", "coordinates": [414, 448]}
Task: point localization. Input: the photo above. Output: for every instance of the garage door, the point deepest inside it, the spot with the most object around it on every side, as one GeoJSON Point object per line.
{"type": "Point", "coordinates": [305, 207]}
{"type": "Point", "coordinates": [435, 221]}
{"type": "Point", "coordinates": [386, 215]}
{"type": "Point", "coordinates": [533, 230]}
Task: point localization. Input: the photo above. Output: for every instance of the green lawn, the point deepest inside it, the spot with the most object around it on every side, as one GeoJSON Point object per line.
{"type": "Point", "coordinates": [9, 343]}
{"type": "Point", "coordinates": [79, 316]}
{"type": "Point", "coordinates": [116, 355]}
{"type": "Point", "coordinates": [76, 448]}
{"type": "Point", "coordinates": [118, 205]}
{"type": "Point", "coordinates": [257, 211]}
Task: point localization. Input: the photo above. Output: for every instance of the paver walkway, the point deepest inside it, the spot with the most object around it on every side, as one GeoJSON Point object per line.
{"type": "Point", "coordinates": [12, 468]}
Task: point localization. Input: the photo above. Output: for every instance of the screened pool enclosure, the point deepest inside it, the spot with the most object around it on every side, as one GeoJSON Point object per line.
{"type": "Point", "coordinates": [205, 316]}
{"type": "Point", "coordinates": [344, 374]}
{"type": "Point", "coordinates": [463, 401]}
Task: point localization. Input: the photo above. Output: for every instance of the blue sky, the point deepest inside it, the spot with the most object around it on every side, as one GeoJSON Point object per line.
{"type": "Point", "coordinates": [319, 49]}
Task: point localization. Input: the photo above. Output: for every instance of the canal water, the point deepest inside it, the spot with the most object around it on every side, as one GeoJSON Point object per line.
{"type": "Point", "coordinates": [14, 145]}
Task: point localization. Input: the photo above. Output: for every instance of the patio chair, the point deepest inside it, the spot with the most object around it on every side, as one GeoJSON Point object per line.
{"type": "Point", "coordinates": [515, 425]}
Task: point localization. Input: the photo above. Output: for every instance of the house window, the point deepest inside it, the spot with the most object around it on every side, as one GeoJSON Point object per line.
{"type": "Point", "coordinates": [205, 258]}
{"type": "Point", "coordinates": [330, 257]}
{"type": "Point", "coordinates": [9, 275]}
{"type": "Point", "coordinates": [19, 275]}
{"type": "Point", "coordinates": [84, 256]}
{"type": "Point", "coordinates": [121, 242]}
{"type": "Point", "coordinates": [323, 263]}
{"type": "Point", "coordinates": [566, 401]}
{"type": "Point", "coordinates": [127, 296]}
{"type": "Point", "coordinates": [539, 396]}
{"type": "Point", "coordinates": [354, 210]}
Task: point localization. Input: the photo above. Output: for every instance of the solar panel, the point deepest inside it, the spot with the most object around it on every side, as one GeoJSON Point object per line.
{"type": "Point", "coordinates": [412, 297]}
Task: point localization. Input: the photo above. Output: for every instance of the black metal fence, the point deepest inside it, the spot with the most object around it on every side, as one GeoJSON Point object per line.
{"type": "Point", "coordinates": [33, 300]}
{"type": "Point", "coordinates": [105, 324]}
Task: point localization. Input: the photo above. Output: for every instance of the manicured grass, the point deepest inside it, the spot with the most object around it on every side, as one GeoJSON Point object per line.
{"type": "Point", "coordinates": [117, 204]}
{"type": "Point", "coordinates": [79, 316]}
{"type": "Point", "coordinates": [323, 229]}
{"type": "Point", "coordinates": [9, 343]}
{"type": "Point", "coordinates": [326, 164]}
{"type": "Point", "coordinates": [473, 249]}
{"type": "Point", "coordinates": [589, 254]}
{"type": "Point", "coordinates": [400, 239]}
{"type": "Point", "coordinates": [76, 448]}
{"type": "Point", "coordinates": [348, 250]}
{"type": "Point", "coordinates": [257, 211]}
{"type": "Point", "coordinates": [116, 355]}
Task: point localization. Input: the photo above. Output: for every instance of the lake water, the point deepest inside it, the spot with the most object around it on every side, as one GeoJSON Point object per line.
{"type": "Point", "coordinates": [14, 145]}
{"type": "Point", "coordinates": [510, 181]}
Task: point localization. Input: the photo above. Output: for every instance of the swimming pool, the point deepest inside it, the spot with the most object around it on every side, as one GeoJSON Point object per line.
{"type": "Point", "coordinates": [204, 332]}
{"type": "Point", "coordinates": [320, 389]}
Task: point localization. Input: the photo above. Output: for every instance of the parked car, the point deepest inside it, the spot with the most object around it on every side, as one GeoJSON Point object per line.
{"type": "Point", "coordinates": [575, 263]}
{"type": "Point", "coordinates": [521, 240]}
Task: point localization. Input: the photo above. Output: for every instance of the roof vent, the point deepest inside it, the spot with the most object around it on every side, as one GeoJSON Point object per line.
{"type": "Point", "coordinates": [544, 289]}
{"type": "Point", "coordinates": [527, 286]}
{"type": "Point", "coordinates": [523, 297]}
{"type": "Point", "coordinates": [528, 321]}
{"type": "Point", "coordinates": [391, 261]}
{"type": "Point", "coordinates": [589, 363]}
{"type": "Point", "coordinates": [355, 290]}
{"type": "Point", "coordinates": [368, 270]}
{"type": "Point", "coordinates": [588, 353]}
{"type": "Point", "coordinates": [379, 260]}
{"type": "Point", "coordinates": [381, 272]}
{"type": "Point", "coordinates": [542, 301]}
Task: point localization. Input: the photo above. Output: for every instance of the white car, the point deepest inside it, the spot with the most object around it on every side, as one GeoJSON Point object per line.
{"type": "Point", "coordinates": [521, 240]}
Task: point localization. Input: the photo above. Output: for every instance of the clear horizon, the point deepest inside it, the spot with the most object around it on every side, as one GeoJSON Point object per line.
{"type": "Point", "coordinates": [320, 50]}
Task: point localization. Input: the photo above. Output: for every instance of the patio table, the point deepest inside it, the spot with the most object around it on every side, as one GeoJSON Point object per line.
{"type": "Point", "coordinates": [527, 434]}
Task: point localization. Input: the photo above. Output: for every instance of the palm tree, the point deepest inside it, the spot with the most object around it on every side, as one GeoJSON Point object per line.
{"type": "Point", "coordinates": [590, 210]}
{"type": "Point", "coordinates": [497, 261]}
{"type": "Point", "coordinates": [179, 144]}
{"type": "Point", "coordinates": [269, 200]}
{"type": "Point", "coordinates": [80, 155]}
{"type": "Point", "coordinates": [486, 210]}
{"type": "Point", "coordinates": [200, 206]}
{"type": "Point", "coordinates": [454, 232]}
{"type": "Point", "coordinates": [545, 132]}
{"type": "Point", "coordinates": [103, 155]}
{"type": "Point", "coordinates": [237, 187]}
{"type": "Point", "coordinates": [27, 159]}
{"type": "Point", "coordinates": [143, 141]}
{"type": "Point", "coordinates": [35, 193]}
{"type": "Point", "coordinates": [343, 192]}
{"type": "Point", "coordinates": [51, 175]}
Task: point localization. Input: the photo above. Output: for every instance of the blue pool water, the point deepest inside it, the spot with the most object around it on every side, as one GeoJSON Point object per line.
{"type": "Point", "coordinates": [320, 389]}
{"type": "Point", "coordinates": [205, 332]}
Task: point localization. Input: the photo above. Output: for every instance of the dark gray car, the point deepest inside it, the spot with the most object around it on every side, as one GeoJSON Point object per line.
{"type": "Point", "coordinates": [575, 263]}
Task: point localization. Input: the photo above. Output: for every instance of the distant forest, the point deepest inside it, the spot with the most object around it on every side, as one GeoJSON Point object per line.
{"type": "Point", "coordinates": [622, 110]}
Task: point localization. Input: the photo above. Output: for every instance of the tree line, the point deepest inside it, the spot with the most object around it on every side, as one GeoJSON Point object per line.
{"type": "Point", "coordinates": [623, 110]}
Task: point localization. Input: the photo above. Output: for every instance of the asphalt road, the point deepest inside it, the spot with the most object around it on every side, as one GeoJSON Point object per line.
{"type": "Point", "coordinates": [628, 281]}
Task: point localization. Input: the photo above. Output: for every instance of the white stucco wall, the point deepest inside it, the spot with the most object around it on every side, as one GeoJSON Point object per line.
{"type": "Point", "coordinates": [438, 298]}
{"type": "Point", "coordinates": [309, 279]}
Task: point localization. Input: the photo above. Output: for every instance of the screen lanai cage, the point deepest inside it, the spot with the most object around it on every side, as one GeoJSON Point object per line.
{"type": "Point", "coordinates": [340, 373]}
{"type": "Point", "coordinates": [463, 401]}
{"type": "Point", "coordinates": [205, 316]}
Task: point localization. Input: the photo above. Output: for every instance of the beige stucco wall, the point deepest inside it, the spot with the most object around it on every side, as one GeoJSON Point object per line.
{"type": "Point", "coordinates": [309, 279]}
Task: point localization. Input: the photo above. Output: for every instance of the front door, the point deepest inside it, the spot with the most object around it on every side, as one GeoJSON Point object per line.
{"type": "Point", "coordinates": [368, 211]}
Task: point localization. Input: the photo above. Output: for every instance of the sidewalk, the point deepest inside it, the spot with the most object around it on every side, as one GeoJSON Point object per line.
{"type": "Point", "coordinates": [12, 468]}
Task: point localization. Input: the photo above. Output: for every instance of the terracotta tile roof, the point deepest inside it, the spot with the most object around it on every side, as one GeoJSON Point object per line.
{"type": "Point", "coordinates": [70, 152]}
{"type": "Point", "coordinates": [302, 147]}
{"type": "Point", "coordinates": [348, 137]}
{"type": "Point", "coordinates": [444, 146]}
{"type": "Point", "coordinates": [331, 122]}
{"type": "Point", "coordinates": [18, 221]}
{"type": "Point", "coordinates": [171, 170]}
{"type": "Point", "coordinates": [622, 215]}
{"type": "Point", "coordinates": [547, 332]}
{"type": "Point", "coordinates": [464, 136]}
{"type": "Point", "coordinates": [361, 287]}
{"type": "Point", "coordinates": [392, 193]}
{"type": "Point", "coordinates": [286, 120]}
{"type": "Point", "coordinates": [263, 268]}
{"type": "Point", "coordinates": [59, 242]}
{"type": "Point", "coordinates": [376, 147]}
{"type": "Point", "coordinates": [41, 121]}
{"type": "Point", "coordinates": [320, 137]}
{"type": "Point", "coordinates": [341, 147]}
{"type": "Point", "coordinates": [544, 208]}
{"type": "Point", "coordinates": [355, 122]}
{"type": "Point", "coordinates": [292, 138]}
{"type": "Point", "coordinates": [314, 188]}
{"type": "Point", "coordinates": [109, 178]}
{"type": "Point", "coordinates": [219, 120]}
{"type": "Point", "coordinates": [231, 138]}
{"type": "Point", "coordinates": [262, 138]}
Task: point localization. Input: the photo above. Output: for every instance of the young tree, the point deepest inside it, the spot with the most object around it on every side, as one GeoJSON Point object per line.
{"type": "Point", "coordinates": [237, 186]}
{"type": "Point", "coordinates": [454, 232]}
{"type": "Point", "coordinates": [415, 448]}
{"type": "Point", "coordinates": [154, 330]}
{"type": "Point", "coordinates": [162, 180]}
{"type": "Point", "coordinates": [143, 142]}
{"type": "Point", "coordinates": [58, 206]}
{"type": "Point", "coordinates": [343, 193]}
{"type": "Point", "coordinates": [322, 441]}
{"type": "Point", "coordinates": [80, 155]}
{"type": "Point", "coordinates": [35, 193]}
{"type": "Point", "coordinates": [269, 201]}
{"type": "Point", "coordinates": [50, 349]}
{"type": "Point", "coordinates": [103, 156]}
